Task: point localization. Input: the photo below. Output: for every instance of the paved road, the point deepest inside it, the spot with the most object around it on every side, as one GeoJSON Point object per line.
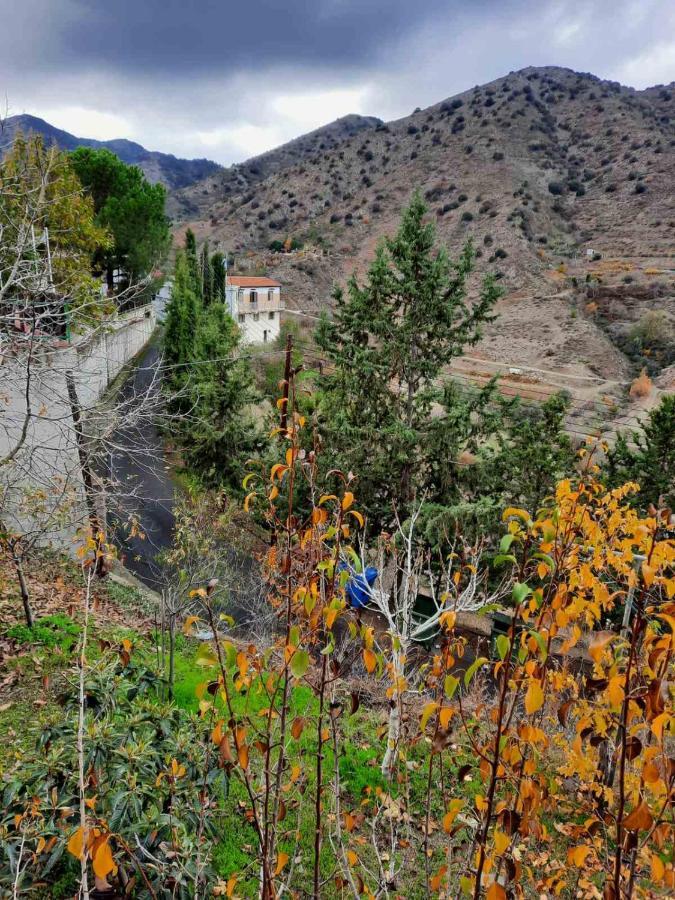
{"type": "Point", "coordinates": [148, 489]}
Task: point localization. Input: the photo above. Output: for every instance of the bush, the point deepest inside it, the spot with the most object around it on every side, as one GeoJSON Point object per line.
{"type": "Point", "coordinates": [640, 188]}
{"type": "Point", "coordinates": [498, 156]}
{"type": "Point", "coordinates": [467, 216]}
{"type": "Point", "coordinates": [556, 188]}
{"type": "Point", "coordinates": [147, 768]}
{"type": "Point", "coordinates": [641, 387]}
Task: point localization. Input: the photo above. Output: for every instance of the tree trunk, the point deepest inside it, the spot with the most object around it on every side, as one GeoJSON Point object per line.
{"type": "Point", "coordinates": [394, 730]}
{"type": "Point", "coordinates": [23, 587]}
{"type": "Point", "coordinates": [172, 653]}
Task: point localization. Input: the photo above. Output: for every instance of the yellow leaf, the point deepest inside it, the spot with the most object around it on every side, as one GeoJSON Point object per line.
{"type": "Point", "coordinates": [512, 511]}
{"type": "Point", "coordinates": [615, 690]}
{"type": "Point", "coordinates": [450, 816]}
{"type": "Point", "coordinates": [445, 715]}
{"type": "Point", "coordinates": [247, 501]}
{"type": "Point", "coordinates": [357, 515]}
{"type": "Point", "coordinates": [448, 619]}
{"type": "Point", "coordinates": [242, 755]}
{"type": "Point", "coordinates": [576, 856]}
{"type": "Point", "coordinates": [502, 842]}
{"type": "Point", "coordinates": [369, 659]}
{"type": "Point", "coordinates": [325, 497]}
{"type": "Point", "coordinates": [188, 623]}
{"type": "Point", "coordinates": [229, 889]}
{"type": "Point", "coordinates": [76, 843]}
{"type": "Point", "coordinates": [658, 868]}
{"type": "Point", "coordinates": [282, 859]}
{"type": "Point", "coordinates": [352, 858]}
{"type": "Point", "coordinates": [534, 698]}
{"type": "Point", "coordinates": [347, 500]}
{"type": "Point", "coordinates": [103, 861]}
{"type": "Point", "coordinates": [495, 892]}
{"type": "Point", "coordinates": [428, 710]}
{"type": "Point", "coordinates": [648, 574]}
{"type": "Point", "coordinates": [597, 646]}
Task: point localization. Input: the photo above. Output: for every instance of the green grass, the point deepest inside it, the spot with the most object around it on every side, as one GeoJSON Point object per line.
{"type": "Point", "coordinates": [49, 631]}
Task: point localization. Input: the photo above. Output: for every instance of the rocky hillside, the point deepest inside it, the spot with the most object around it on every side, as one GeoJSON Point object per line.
{"type": "Point", "coordinates": [539, 168]}
{"type": "Point", "coordinates": [244, 177]}
{"type": "Point", "coordinates": [171, 171]}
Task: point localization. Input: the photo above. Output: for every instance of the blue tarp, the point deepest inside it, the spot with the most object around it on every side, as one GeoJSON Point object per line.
{"type": "Point", "coordinates": [357, 586]}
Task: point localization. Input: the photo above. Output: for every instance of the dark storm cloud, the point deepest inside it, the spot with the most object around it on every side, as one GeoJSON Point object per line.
{"type": "Point", "coordinates": [212, 36]}
{"type": "Point", "coordinates": [229, 79]}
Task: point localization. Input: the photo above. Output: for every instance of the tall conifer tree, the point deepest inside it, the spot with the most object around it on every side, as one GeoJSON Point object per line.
{"type": "Point", "coordinates": [389, 343]}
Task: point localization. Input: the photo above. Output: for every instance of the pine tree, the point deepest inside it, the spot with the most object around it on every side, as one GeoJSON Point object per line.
{"type": "Point", "coordinates": [528, 455]}
{"type": "Point", "coordinates": [389, 342]}
{"type": "Point", "coordinates": [647, 457]}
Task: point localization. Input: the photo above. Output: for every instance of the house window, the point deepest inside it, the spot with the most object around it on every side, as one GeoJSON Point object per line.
{"type": "Point", "coordinates": [270, 315]}
{"type": "Point", "coordinates": [253, 296]}
{"type": "Point", "coordinates": [256, 316]}
{"type": "Point", "coordinates": [242, 317]}
{"type": "Point", "coordinates": [270, 294]}
{"type": "Point", "coordinates": [265, 336]}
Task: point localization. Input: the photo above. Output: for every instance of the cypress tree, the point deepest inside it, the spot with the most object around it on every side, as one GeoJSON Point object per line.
{"type": "Point", "coordinates": [206, 275]}
{"type": "Point", "coordinates": [182, 313]}
{"type": "Point", "coordinates": [192, 260]}
{"type": "Point", "coordinates": [218, 276]}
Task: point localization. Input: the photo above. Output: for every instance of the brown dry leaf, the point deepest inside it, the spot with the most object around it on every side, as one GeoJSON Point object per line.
{"type": "Point", "coordinates": [640, 819]}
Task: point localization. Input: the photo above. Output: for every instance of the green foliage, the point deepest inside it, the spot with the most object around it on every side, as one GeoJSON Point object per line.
{"type": "Point", "coordinates": [647, 457]}
{"type": "Point", "coordinates": [529, 454]}
{"type": "Point", "coordinates": [220, 434]}
{"type": "Point", "coordinates": [181, 319]}
{"type": "Point", "coordinates": [51, 631]}
{"type": "Point", "coordinates": [389, 343]}
{"type": "Point", "coordinates": [128, 206]}
{"type": "Point", "coordinates": [146, 763]}
{"type": "Point", "coordinates": [39, 189]}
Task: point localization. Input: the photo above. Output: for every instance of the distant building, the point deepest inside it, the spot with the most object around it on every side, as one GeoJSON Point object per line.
{"type": "Point", "coordinates": [255, 305]}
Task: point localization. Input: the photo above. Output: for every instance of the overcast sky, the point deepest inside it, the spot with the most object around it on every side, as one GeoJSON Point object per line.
{"type": "Point", "coordinates": [227, 79]}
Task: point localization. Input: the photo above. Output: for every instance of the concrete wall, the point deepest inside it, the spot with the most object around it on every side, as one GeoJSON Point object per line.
{"type": "Point", "coordinates": [33, 486]}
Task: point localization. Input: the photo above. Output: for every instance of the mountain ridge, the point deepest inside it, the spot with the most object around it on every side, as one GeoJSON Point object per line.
{"type": "Point", "coordinates": [563, 180]}
{"type": "Point", "coordinates": [170, 170]}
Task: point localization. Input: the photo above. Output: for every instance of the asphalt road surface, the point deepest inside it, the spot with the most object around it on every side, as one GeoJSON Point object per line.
{"type": "Point", "coordinates": [146, 488]}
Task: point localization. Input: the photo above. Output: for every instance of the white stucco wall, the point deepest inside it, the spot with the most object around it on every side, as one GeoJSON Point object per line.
{"type": "Point", "coordinates": [254, 318]}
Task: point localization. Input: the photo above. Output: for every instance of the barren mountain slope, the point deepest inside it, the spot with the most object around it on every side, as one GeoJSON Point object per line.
{"type": "Point", "coordinates": [537, 167]}
{"type": "Point", "coordinates": [243, 177]}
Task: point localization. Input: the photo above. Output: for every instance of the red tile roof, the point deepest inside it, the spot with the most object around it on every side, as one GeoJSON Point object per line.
{"type": "Point", "coordinates": [252, 281]}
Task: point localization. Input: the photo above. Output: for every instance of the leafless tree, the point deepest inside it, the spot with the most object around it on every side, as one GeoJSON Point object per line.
{"type": "Point", "coordinates": [404, 574]}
